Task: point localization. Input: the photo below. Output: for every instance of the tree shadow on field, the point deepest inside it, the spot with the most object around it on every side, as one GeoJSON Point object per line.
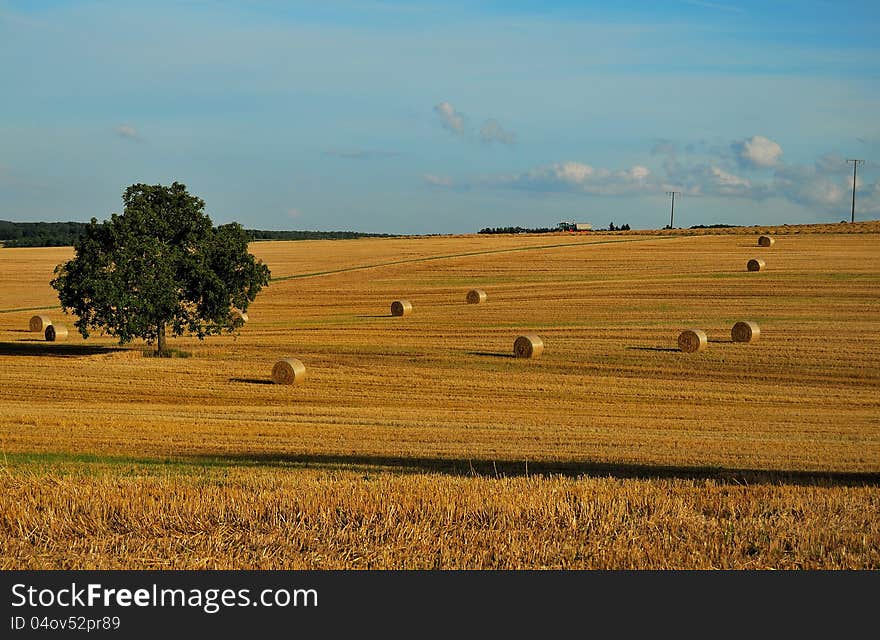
{"type": "Point", "coordinates": [491, 354]}
{"type": "Point", "coordinates": [34, 347]}
{"type": "Point", "coordinates": [251, 380]}
{"type": "Point", "coordinates": [654, 349]}
{"type": "Point", "coordinates": [527, 468]}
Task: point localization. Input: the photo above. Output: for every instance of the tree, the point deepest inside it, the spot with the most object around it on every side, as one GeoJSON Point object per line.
{"type": "Point", "coordinates": [161, 264]}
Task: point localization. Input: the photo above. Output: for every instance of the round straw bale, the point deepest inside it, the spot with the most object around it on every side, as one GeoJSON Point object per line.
{"type": "Point", "coordinates": [476, 296]}
{"type": "Point", "coordinates": [745, 331]}
{"type": "Point", "coordinates": [692, 340]}
{"type": "Point", "coordinates": [38, 324]}
{"type": "Point", "coordinates": [56, 333]}
{"type": "Point", "coordinates": [756, 264]}
{"type": "Point", "coordinates": [401, 307]}
{"type": "Point", "coordinates": [766, 241]}
{"type": "Point", "coordinates": [288, 371]}
{"type": "Point", "coordinates": [528, 346]}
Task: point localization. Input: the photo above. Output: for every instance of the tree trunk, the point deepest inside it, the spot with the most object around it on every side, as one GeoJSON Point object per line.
{"type": "Point", "coordinates": [160, 333]}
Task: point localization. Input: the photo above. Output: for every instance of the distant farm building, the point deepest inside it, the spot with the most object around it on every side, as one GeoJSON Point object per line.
{"type": "Point", "coordinates": [575, 226]}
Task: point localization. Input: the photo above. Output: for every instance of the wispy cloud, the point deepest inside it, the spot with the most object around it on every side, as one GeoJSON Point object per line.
{"type": "Point", "coordinates": [754, 171]}
{"type": "Point", "coordinates": [451, 119]}
{"type": "Point", "coordinates": [577, 177]}
{"type": "Point", "coordinates": [437, 181]}
{"type": "Point", "coordinates": [456, 122]}
{"type": "Point", "coordinates": [492, 131]}
{"type": "Point", "coordinates": [127, 131]}
{"type": "Point", "coordinates": [664, 147]}
{"type": "Point", "coordinates": [360, 154]}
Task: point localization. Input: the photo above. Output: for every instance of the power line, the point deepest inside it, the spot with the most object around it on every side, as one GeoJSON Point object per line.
{"type": "Point", "coordinates": [856, 163]}
{"type": "Point", "coordinates": [672, 211]}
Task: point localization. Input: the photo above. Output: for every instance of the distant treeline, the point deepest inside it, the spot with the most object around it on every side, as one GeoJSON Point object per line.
{"type": "Point", "coordinates": [611, 227]}
{"type": "Point", "coordinates": [258, 234]}
{"type": "Point", "coordinates": [518, 230]}
{"type": "Point", "coordinates": [40, 234]}
{"type": "Point", "coordinates": [64, 234]}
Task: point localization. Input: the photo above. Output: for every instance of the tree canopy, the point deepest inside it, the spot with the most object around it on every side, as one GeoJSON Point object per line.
{"type": "Point", "coordinates": [160, 265]}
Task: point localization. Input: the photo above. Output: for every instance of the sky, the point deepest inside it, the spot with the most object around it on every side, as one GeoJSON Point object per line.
{"type": "Point", "coordinates": [444, 117]}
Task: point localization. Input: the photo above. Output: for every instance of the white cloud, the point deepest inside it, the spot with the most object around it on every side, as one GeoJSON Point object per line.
{"type": "Point", "coordinates": [455, 121]}
{"type": "Point", "coordinates": [492, 131]}
{"type": "Point", "coordinates": [450, 118]}
{"type": "Point", "coordinates": [757, 151]}
{"type": "Point", "coordinates": [729, 183]}
{"type": "Point", "coordinates": [639, 172]}
{"type": "Point", "coordinates": [437, 181]}
{"type": "Point", "coordinates": [127, 131]}
{"type": "Point", "coordinates": [568, 172]}
{"type": "Point", "coordinates": [822, 186]}
{"type": "Point", "coordinates": [578, 177]}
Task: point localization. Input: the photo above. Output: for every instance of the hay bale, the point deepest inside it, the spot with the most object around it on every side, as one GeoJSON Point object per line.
{"type": "Point", "coordinates": [528, 346]}
{"type": "Point", "coordinates": [401, 307]}
{"type": "Point", "coordinates": [756, 264]}
{"type": "Point", "coordinates": [692, 340]}
{"type": "Point", "coordinates": [766, 241]}
{"type": "Point", "coordinates": [745, 331]}
{"type": "Point", "coordinates": [38, 324]}
{"type": "Point", "coordinates": [238, 314]}
{"type": "Point", "coordinates": [56, 333]}
{"type": "Point", "coordinates": [476, 296]}
{"type": "Point", "coordinates": [288, 371]}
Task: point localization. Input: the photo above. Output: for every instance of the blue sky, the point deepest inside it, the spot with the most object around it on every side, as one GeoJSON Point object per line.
{"type": "Point", "coordinates": [443, 117]}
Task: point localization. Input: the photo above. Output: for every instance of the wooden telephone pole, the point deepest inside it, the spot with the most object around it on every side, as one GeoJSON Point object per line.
{"type": "Point", "coordinates": [672, 211]}
{"type": "Point", "coordinates": [856, 163]}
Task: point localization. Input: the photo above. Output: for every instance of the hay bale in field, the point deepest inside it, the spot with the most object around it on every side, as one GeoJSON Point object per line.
{"type": "Point", "coordinates": [288, 371]}
{"type": "Point", "coordinates": [476, 296]}
{"type": "Point", "coordinates": [692, 340]}
{"type": "Point", "coordinates": [38, 324]}
{"type": "Point", "coordinates": [766, 241]}
{"type": "Point", "coordinates": [238, 314]}
{"type": "Point", "coordinates": [401, 307]}
{"type": "Point", "coordinates": [745, 331]}
{"type": "Point", "coordinates": [56, 333]}
{"type": "Point", "coordinates": [528, 346]}
{"type": "Point", "coordinates": [756, 264]}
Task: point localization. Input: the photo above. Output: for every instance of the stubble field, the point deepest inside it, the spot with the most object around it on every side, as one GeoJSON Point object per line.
{"type": "Point", "coordinates": [421, 442]}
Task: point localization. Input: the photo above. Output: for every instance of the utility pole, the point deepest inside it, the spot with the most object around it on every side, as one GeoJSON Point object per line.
{"type": "Point", "coordinates": [856, 163]}
{"type": "Point", "coordinates": [672, 211]}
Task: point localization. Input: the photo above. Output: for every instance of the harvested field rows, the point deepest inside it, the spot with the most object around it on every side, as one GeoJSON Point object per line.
{"type": "Point", "coordinates": [422, 403]}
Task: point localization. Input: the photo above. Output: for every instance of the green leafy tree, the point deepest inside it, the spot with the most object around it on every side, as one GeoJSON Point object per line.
{"type": "Point", "coordinates": [159, 266]}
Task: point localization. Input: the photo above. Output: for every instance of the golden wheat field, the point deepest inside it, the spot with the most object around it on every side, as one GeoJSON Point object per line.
{"type": "Point", "coordinates": [420, 441]}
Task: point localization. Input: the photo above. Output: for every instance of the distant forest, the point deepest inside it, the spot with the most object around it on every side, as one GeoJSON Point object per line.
{"type": "Point", "coordinates": [498, 230]}
{"type": "Point", "coordinates": [64, 234]}
{"type": "Point", "coordinates": [494, 230]}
